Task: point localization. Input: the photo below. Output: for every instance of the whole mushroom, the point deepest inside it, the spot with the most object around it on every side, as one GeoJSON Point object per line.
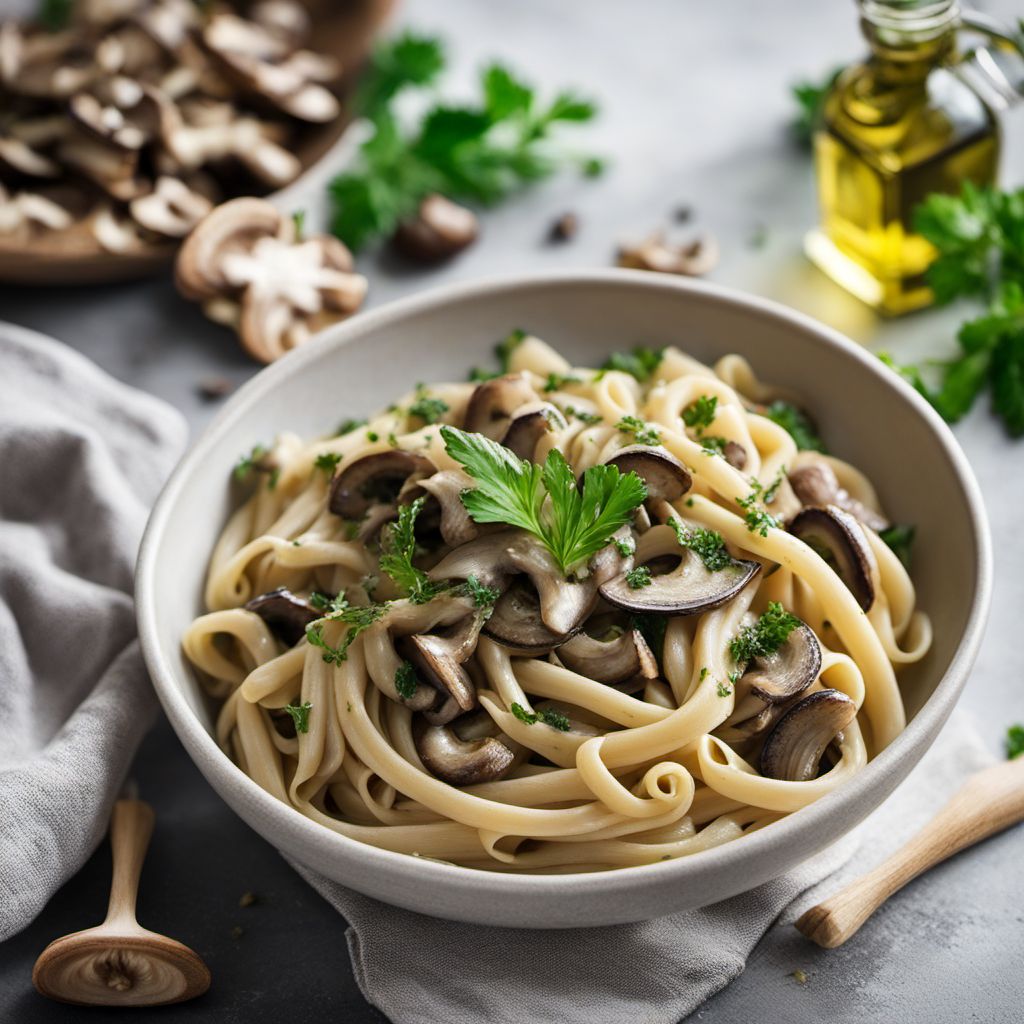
{"type": "Point", "coordinates": [246, 264]}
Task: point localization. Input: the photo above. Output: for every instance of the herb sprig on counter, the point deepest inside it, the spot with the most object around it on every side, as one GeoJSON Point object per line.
{"type": "Point", "coordinates": [979, 236]}
{"type": "Point", "coordinates": [810, 100]}
{"type": "Point", "coordinates": [1015, 742]}
{"type": "Point", "coordinates": [480, 152]}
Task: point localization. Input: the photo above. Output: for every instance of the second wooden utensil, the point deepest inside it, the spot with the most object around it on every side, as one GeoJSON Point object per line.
{"type": "Point", "coordinates": [988, 802]}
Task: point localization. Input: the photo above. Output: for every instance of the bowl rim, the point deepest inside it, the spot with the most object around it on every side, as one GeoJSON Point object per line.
{"type": "Point", "coordinates": [281, 818]}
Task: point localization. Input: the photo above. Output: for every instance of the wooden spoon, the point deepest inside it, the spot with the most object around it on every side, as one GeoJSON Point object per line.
{"type": "Point", "coordinates": [120, 963]}
{"type": "Point", "coordinates": [988, 802]}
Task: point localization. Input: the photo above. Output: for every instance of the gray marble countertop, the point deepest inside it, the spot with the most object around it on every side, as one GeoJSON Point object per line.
{"type": "Point", "coordinates": [695, 102]}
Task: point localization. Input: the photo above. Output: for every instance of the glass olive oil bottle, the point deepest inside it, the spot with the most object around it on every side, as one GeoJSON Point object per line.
{"type": "Point", "coordinates": [896, 127]}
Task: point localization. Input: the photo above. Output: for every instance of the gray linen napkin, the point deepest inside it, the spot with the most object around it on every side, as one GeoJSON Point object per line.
{"type": "Point", "coordinates": [82, 458]}
{"type": "Point", "coordinates": [654, 972]}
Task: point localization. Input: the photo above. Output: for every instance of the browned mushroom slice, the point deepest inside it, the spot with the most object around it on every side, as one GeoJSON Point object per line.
{"type": "Point", "coordinates": [515, 622]}
{"type": "Point", "coordinates": [735, 454]}
{"type": "Point", "coordinates": [654, 253]}
{"type": "Point", "coordinates": [494, 402]}
{"type": "Point", "coordinates": [440, 230]}
{"type": "Point", "coordinates": [21, 158]}
{"type": "Point", "coordinates": [529, 424]}
{"type": "Point", "coordinates": [446, 487]}
{"type": "Point", "coordinates": [462, 762]}
{"type": "Point", "coordinates": [665, 477]}
{"type": "Point", "coordinates": [816, 483]}
{"type": "Point", "coordinates": [286, 19]}
{"type": "Point", "coordinates": [438, 659]}
{"type": "Point", "coordinates": [111, 167]}
{"type": "Point", "coordinates": [171, 209]}
{"type": "Point", "coordinates": [612, 658]}
{"type": "Point", "coordinates": [687, 589]}
{"type": "Point", "coordinates": [374, 480]}
{"type": "Point", "coordinates": [286, 615]}
{"type": "Point", "coordinates": [784, 673]}
{"type": "Point", "coordinates": [838, 538]}
{"type": "Point", "coordinates": [794, 748]}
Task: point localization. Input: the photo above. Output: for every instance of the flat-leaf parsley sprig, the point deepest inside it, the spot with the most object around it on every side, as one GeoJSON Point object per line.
{"type": "Point", "coordinates": [573, 524]}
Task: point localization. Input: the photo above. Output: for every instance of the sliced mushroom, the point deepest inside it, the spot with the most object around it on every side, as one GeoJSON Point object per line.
{"type": "Point", "coordinates": [446, 487]}
{"type": "Point", "coordinates": [171, 209]}
{"type": "Point", "coordinates": [794, 748]}
{"type": "Point", "coordinates": [656, 254]}
{"type": "Point", "coordinates": [440, 230]}
{"type": "Point", "coordinates": [529, 424]}
{"type": "Point", "coordinates": [815, 483]}
{"type": "Point", "coordinates": [26, 210]}
{"type": "Point", "coordinates": [374, 479]}
{"type": "Point", "coordinates": [462, 762]}
{"type": "Point", "coordinates": [839, 539]}
{"type": "Point", "coordinates": [438, 659]}
{"type": "Point", "coordinates": [664, 475]}
{"type": "Point", "coordinates": [777, 677]}
{"type": "Point", "coordinates": [516, 623]}
{"type": "Point", "coordinates": [735, 454]}
{"type": "Point", "coordinates": [286, 615]}
{"type": "Point", "coordinates": [21, 158]}
{"type": "Point", "coordinates": [110, 167]}
{"type": "Point", "coordinates": [108, 118]}
{"type": "Point", "coordinates": [286, 19]}
{"type": "Point", "coordinates": [494, 402]}
{"type": "Point", "coordinates": [619, 657]}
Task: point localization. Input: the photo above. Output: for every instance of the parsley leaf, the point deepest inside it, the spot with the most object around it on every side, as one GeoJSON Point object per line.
{"type": "Point", "coordinates": [300, 715]}
{"type": "Point", "coordinates": [504, 349]}
{"type": "Point", "coordinates": [652, 629]}
{"type": "Point", "coordinates": [758, 519]}
{"type": "Point", "coordinates": [810, 98]}
{"type": "Point", "coordinates": [406, 680]}
{"type": "Point", "coordinates": [797, 424]}
{"type": "Point", "coordinates": [1015, 741]}
{"type": "Point", "coordinates": [641, 363]}
{"type": "Point", "coordinates": [642, 432]}
{"type": "Point", "coordinates": [398, 548]}
{"type": "Point", "coordinates": [482, 595]}
{"type": "Point", "coordinates": [589, 418]}
{"type": "Point", "coordinates": [397, 64]}
{"type": "Point", "coordinates": [900, 539]}
{"type": "Point", "coordinates": [325, 603]}
{"type": "Point", "coordinates": [638, 577]}
{"type": "Point", "coordinates": [327, 461]}
{"type": "Point", "coordinates": [255, 462]}
{"type": "Point", "coordinates": [708, 545]}
{"type": "Point", "coordinates": [428, 409]}
{"type": "Point", "coordinates": [701, 413]}
{"type": "Point", "coordinates": [722, 690]}
{"type": "Point", "coordinates": [347, 426]}
{"type": "Point", "coordinates": [766, 636]}
{"type": "Point", "coordinates": [547, 716]}
{"type": "Point", "coordinates": [356, 618]}
{"type": "Point", "coordinates": [545, 501]}
{"type": "Point", "coordinates": [557, 380]}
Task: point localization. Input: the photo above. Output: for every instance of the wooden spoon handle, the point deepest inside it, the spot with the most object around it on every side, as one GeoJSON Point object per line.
{"type": "Point", "coordinates": [131, 826]}
{"type": "Point", "coordinates": [988, 802]}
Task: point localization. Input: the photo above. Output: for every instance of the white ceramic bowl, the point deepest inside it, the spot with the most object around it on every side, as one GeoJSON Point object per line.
{"type": "Point", "coordinates": [865, 412]}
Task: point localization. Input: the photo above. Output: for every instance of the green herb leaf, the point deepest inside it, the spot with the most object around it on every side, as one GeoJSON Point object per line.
{"type": "Point", "coordinates": [722, 690]}
{"type": "Point", "coordinates": [797, 424]}
{"type": "Point", "coordinates": [398, 548]}
{"type": "Point", "coordinates": [643, 433]}
{"type": "Point", "coordinates": [700, 414]}
{"type": "Point", "coordinates": [428, 409]}
{"type": "Point", "coordinates": [708, 545]}
{"type": "Point", "coordinates": [810, 97]}
{"type": "Point", "coordinates": [406, 681]}
{"type": "Point", "coordinates": [504, 349]}
{"type": "Point", "coordinates": [327, 462]}
{"type": "Point", "coordinates": [589, 418]}
{"type": "Point", "coordinates": [766, 636]}
{"type": "Point", "coordinates": [548, 716]}
{"type": "Point", "coordinates": [641, 363]}
{"type": "Point", "coordinates": [1014, 741]}
{"type": "Point", "coordinates": [652, 629]}
{"type": "Point", "coordinates": [347, 426]}
{"type": "Point", "coordinates": [483, 596]}
{"type": "Point", "coordinates": [900, 539]}
{"type": "Point", "coordinates": [410, 60]}
{"type": "Point", "coordinates": [300, 715]}
{"type": "Point", "coordinates": [638, 577]}
{"type": "Point", "coordinates": [357, 619]}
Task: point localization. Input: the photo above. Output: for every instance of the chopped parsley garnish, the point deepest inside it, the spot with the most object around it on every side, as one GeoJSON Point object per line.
{"type": "Point", "coordinates": [704, 672]}
{"type": "Point", "coordinates": [356, 618]}
{"type": "Point", "coordinates": [638, 577]}
{"type": "Point", "coordinates": [590, 418]}
{"type": "Point", "coordinates": [557, 380]}
{"type": "Point", "coordinates": [393, 440]}
{"type": "Point", "coordinates": [713, 444]}
{"type": "Point", "coordinates": [757, 519]}
{"type": "Point", "coordinates": [810, 98]}
{"type": "Point", "coordinates": [1015, 741]}
{"type": "Point", "coordinates": [900, 538]}
{"type": "Point", "coordinates": [300, 715]}
{"type": "Point", "coordinates": [477, 375]}
{"type": "Point", "coordinates": [722, 690]}
{"type": "Point", "coordinates": [322, 602]}
{"type": "Point", "coordinates": [372, 435]}
{"type": "Point", "coordinates": [625, 546]}
{"type": "Point", "coordinates": [406, 681]}
{"type": "Point", "coordinates": [642, 432]}
{"type": "Point", "coordinates": [504, 349]}
{"type": "Point", "coordinates": [547, 717]}
{"type": "Point", "coordinates": [545, 500]}
{"type": "Point", "coordinates": [347, 426]}
{"type": "Point", "coordinates": [255, 461]}
{"type": "Point", "coordinates": [327, 461]}
{"type": "Point", "coordinates": [398, 548]}
{"type": "Point", "coordinates": [700, 414]}
{"type": "Point", "coordinates": [797, 424]}
{"type": "Point", "coordinates": [708, 545]}
{"type": "Point", "coordinates": [482, 595]}
{"type": "Point", "coordinates": [299, 220]}
{"type": "Point", "coordinates": [642, 363]}
{"type": "Point", "coordinates": [766, 636]}
{"type": "Point", "coordinates": [428, 409]}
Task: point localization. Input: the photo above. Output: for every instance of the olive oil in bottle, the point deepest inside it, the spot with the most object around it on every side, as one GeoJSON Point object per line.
{"type": "Point", "coordinates": [895, 128]}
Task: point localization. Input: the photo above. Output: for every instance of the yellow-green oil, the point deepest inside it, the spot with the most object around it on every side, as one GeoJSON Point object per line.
{"type": "Point", "coordinates": [895, 129]}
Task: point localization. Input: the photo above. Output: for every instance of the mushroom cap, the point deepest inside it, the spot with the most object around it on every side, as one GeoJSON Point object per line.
{"type": "Point", "coordinates": [515, 622]}
{"type": "Point", "coordinates": [374, 479]}
{"type": "Point", "coordinates": [787, 672]}
{"type": "Point", "coordinates": [735, 454]}
{"type": "Point", "coordinates": [794, 748]}
{"type": "Point", "coordinates": [665, 477]}
{"type": "Point", "coordinates": [494, 402]}
{"type": "Point", "coordinates": [446, 487]}
{"type": "Point", "coordinates": [815, 483]}
{"type": "Point", "coordinates": [286, 615]}
{"type": "Point", "coordinates": [838, 538]}
{"type": "Point", "coordinates": [438, 659]}
{"type": "Point", "coordinates": [462, 762]}
{"type": "Point", "coordinates": [528, 425]}
{"type": "Point", "coordinates": [613, 660]}
{"type": "Point", "coordinates": [440, 230]}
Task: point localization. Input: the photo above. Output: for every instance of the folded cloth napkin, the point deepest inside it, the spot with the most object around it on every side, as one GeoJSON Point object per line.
{"type": "Point", "coordinates": [654, 972]}
{"type": "Point", "coordinates": [82, 458]}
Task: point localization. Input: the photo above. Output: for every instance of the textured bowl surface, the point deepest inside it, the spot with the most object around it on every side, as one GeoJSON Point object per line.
{"type": "Point", "coordinates": [866, 414]}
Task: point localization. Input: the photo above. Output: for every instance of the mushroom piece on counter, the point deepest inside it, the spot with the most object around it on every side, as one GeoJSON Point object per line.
{"type": "Point", "coordinates": [171, 209]}
{"type": "Point", "coordinates": [440, 230]}
{"type": "Point", "coordinates": [654, 253]}
{"type": "Point", "coordinates": [244, 262]}
{"type": "Point", "coordinates": [794, 748]}
{"type": "Point", "coordinates": [839, 539]}
{"type": "Point", "coordinates": [286, 615]}
{"type": "Point", "coordinates": [462, 762]}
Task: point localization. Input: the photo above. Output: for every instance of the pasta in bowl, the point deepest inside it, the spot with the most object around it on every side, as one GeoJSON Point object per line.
{"type": "Point", "coordinates": [532, 848]}
{"type": "Point", "coordinates": [558, 619]}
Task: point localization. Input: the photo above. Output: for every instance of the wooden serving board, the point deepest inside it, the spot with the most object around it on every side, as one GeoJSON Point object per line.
{"type": "Point", "coordinates": [345, 30]}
